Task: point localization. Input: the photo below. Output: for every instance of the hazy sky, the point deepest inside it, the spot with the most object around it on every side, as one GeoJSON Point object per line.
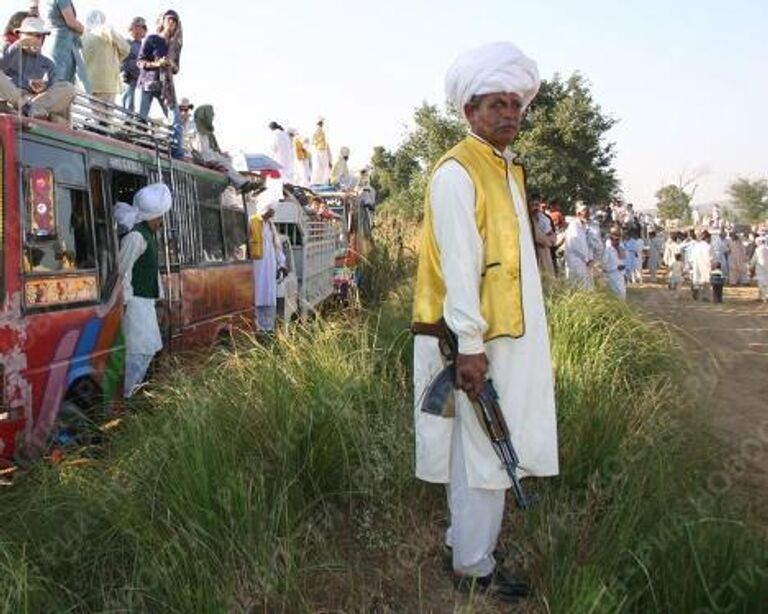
{"type": "Point", "coordinates": [687, 79]}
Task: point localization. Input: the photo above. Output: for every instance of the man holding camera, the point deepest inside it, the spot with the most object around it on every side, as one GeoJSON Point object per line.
{"type": "Point", "coordinates": [27, 81]}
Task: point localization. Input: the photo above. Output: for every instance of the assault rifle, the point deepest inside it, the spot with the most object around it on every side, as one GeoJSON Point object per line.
{"type": "Point", "coordinates": [438, 401]}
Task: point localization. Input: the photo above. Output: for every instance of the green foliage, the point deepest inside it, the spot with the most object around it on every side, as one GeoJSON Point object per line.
{"type": "Point", "coordinates": [674, 203]}
{"type": "Point", "coordinates": [750, 198]}
{"type": "Point", "coordinates": [562, 144]}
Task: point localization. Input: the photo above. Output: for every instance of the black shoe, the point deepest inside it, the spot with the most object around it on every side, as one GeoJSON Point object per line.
{"type": "Point", "coordinates": [501, 584]}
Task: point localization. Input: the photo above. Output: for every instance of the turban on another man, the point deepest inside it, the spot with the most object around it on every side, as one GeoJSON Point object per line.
{"type": "Point", "coordinates": [498, 67]}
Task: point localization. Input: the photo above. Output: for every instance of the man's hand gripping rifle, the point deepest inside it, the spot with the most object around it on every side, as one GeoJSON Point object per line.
{"type": "Point", "coordinates": [439, 399]}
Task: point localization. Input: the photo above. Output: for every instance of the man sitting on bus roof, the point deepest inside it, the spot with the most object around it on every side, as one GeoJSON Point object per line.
{"type": "Point", "coordinates": [27, 80]}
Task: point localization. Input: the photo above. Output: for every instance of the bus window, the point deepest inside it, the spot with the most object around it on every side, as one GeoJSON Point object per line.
{"type": "Point", "coordinates": [210, 220]}
{"type": "Point", "coordinates": [71, 247]}
{"type": "Point", "coordinates": [105, 234]}
{"type": "Point", "coordinates": [235, 225]}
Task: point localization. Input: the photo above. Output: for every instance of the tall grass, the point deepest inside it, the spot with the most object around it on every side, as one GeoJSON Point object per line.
{"type": "Point", "coordinates": [253, 481]}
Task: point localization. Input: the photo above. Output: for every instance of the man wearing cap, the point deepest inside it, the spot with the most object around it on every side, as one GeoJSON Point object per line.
{"type": "Point", "coordinates": [477, 272]}
{"type": "Point", "coordinates": [129, 71]}
{"type": "Point", "coordinates": [28, 78]}
{"type": "Point", "coordinates": [614, 262]}
{"type": "Point", "coordinates": [578, 253]}
{"type": "Point", "coordinates": [301, 169]}
{"type": "Point", "coordinates": [140, 271]}
{"type": "Point", "coordinates": [188, 127]}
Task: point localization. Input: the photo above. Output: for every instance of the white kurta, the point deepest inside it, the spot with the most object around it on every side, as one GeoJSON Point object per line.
{"type": "Point", "coordinates": [760, 263]}
{"type": "Point", "coordinates": [577, 254]}
{"type": "Point", "coordinates": [282, 151]}
{"type": "Point", "coordinates": [701, 262]}
{"type": "Point", "coordinates": [140, 327]}
{"type": "Point", "coordinates": [265, 269]}
{"type": "Point", "coordinates": [521, 369]}
{"type": "Point", "coordinates": [321, 166]}
{"type": "Point", "coordinates": [613, 276]}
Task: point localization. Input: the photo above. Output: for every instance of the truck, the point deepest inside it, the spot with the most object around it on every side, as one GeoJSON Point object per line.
{"type": "Point", "coordinates": [310, 246]}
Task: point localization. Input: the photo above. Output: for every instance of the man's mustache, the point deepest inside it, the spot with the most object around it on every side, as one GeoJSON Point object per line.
{"type": "Point", "coordinates": [508, 126]}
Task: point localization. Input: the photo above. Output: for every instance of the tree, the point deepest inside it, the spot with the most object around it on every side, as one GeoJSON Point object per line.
{"type": "Point", "coordinates": [562, 144]}
{"type": "Point", "coordinates": [750, 198]}
{"type": "Point", "coordinates": [674, 203]}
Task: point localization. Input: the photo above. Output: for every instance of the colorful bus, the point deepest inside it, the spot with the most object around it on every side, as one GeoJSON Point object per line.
{"type": "Point", "coordinates": [61, 301]}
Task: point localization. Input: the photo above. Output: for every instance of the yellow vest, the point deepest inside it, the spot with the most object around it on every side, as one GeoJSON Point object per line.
{"type": "Point", "coordinates": [256, 237]}
{"type": "Point", "coordinates": [501, 298]}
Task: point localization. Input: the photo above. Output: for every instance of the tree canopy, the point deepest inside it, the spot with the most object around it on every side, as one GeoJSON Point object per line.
{"type": "Point", "coordinates": [562, 146]}
{"type": "Point", "coordinates": [674, 203]}
{"type": "Point", "coordinates": [750, 198]}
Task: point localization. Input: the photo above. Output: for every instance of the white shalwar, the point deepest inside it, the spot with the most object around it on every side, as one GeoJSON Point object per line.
{"type": "Point", "coordinates": [760, 263]}
{"type": "Point", "coordinates": [614, 276]}
{"type": "Point", "coordinates": [577, 254]}
{"type": "Point", "coordinates": [457, 451]}
{"type": "Point", "coordinates": [265, 278]}
{"type": "Point", "coordinates": [140, 328]}
{"type": "Point", "coordinates": [282, 151]}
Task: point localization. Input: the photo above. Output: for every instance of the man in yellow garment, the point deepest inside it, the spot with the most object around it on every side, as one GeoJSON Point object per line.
{"type": "Point", "coordinates": [477, 272]}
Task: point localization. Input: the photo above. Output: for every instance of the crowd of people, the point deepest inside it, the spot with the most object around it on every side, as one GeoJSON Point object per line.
{"type": "Point", "coordinates": [619, 247]}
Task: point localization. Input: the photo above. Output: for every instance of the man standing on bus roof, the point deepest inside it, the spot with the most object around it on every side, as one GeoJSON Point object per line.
{"type": "Point", "coordinates": [28, 78]}
{"type": "Point", "coordinates": [478, 274]}
{"type": "Point", "coordinates": [139, 269]}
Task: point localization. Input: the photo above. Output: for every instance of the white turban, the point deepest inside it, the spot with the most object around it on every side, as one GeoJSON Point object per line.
{"type": "Point", "coordinates": [125, 215]}
{"type": "Point", "coordinates": [498, 67]}
{"type": "Point", "coordinates": [344, 151]}
{"type": "Point", "coordinates": [152, 201]}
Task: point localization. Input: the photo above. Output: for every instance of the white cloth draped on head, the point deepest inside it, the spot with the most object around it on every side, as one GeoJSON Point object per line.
{"type": "Point", "coordinates": [498, 67]}
{"type": "Point", "coordinates": [125, 215]}
{"type": "Point", "coordinates": [95, 19]}
{"type": "Point", "coordinates": [152, 201]}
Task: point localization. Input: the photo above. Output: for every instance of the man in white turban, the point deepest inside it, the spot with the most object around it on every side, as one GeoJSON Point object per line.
{"type": "Point", "coordinates": [139, 269]}
{"type": "Point", "coordinates": [477, 274]}
{"type": "Point", "coordinates": [268, 262]}
{"type": "Point", "coordinates": [340, 174]}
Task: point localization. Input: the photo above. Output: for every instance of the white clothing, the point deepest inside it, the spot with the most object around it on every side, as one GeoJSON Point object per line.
{"type": "Point", "coordinates": [476, 515]}
{"type": "Point", "coordinates": [701, 263]}
{"type": "Point", "coordinates": [498, 67]}
{"type": "Point", "coordinates": [282, 151]}
{"type": "Point", "coordinates": [321, 166]}
{"type": "Point", "coordinates": [520, 368]}
{"type": "Point", "coordinates": [577, 254]}
{"type": "Point", "coordinates": [760, 263]}
{"type": "Point", "coordinates": [265, 269]}
{"type": "Point", "coordinates": [140, 328]}
{"type": "Point", "coordinates": [614, 276]}
{"type": "Point", "coordinates": [136, 366]}
{"type": "Point", "coordinates": [201, 145]}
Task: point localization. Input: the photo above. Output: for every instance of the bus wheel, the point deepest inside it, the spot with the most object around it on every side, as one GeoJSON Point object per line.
{"type": "Point", "coordinates": [80, 414]}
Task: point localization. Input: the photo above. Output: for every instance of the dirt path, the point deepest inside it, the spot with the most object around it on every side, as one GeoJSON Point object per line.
{"type": "Point", "coordinates": [729, 347]}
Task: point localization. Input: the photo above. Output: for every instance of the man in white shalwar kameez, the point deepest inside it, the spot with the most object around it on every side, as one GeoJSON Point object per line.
{"type": "Point", "coordinates": [281, 150]}
{"type": "Point", "coordinates": [701, 266]}
{"type": "Point", "coordinates": [759, 264]}
{"type": "Point", "coordinates": [267, 266]}
{"type": "Point", "coordinates": [613, 264]}
{"type": "Point", "coordinates": [139, 270]}
{"type": "Point", "coordinates": [578, 255]}
{"type": "Point", "coordinates": [465, 274]}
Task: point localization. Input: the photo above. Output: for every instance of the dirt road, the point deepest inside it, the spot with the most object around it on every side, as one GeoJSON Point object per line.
{"type": "Point", "coordinates": [729, 347]}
